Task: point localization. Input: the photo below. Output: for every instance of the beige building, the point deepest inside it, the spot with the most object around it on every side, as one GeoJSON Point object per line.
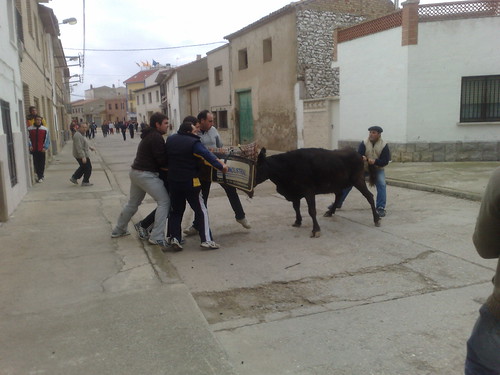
{"type": "Point", "coordinates": [35, 73]}
{"type": "Point", "coordinates": [148, 101]}
{"type": "Point", "coordinates": [44, 70]}
{"type": "Point", "coordinates": [282, 61]}
{"type": "Point", "coordinates": [219, 91]}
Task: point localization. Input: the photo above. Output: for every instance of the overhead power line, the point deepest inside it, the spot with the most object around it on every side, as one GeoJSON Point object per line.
{"type": "Point", "coordinates": [142, 49]}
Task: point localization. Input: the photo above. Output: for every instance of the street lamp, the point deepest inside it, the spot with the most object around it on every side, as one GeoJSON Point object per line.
{"type": "Point", "coordinates": [70, 21]}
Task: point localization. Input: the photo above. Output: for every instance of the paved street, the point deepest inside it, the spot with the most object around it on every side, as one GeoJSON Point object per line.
{"type": "Point", "coordinates": [398, 299]}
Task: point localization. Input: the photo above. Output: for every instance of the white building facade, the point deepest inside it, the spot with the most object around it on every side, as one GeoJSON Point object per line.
{"type": "Point", "coordinates": [14, 167]}
{"type": "Point", "coordinates": [432, 83]}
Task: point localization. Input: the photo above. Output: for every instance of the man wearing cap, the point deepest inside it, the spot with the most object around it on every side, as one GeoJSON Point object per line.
{"type": "Point", "coordinates": [375, 152]}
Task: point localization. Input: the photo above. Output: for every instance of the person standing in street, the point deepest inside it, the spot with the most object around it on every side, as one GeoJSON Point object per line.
{"type": "Point", "coordinates": [38, 143]}
{"type": "Point", "coordinates": [184, 150]}
{"type": "Point", "coordinates": [483, 346]}
{"type": "Point", "coordinates": [150, 158]}
{"type": "Point", "coordinates": [375, 151]}
{"type": "Point", "coordinates": [210, 138]}
{"type": "Point", "coordinates": [81, 152]}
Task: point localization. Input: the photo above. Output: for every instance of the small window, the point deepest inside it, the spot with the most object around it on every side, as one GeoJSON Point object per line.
{"type": "Point", "coordinates": [243, 59]}
{"type": "Point", "coordinates": [150, 98]}
{"type": "Point", "coordinates": [116, 105]}
{"type": "Point", "coordinates": [157, 96]}
{"type": "Point", "coordinates": [267, 49]}
{"type": "Point", "coordinates": [218, 76]}
{"type": "Point", "coordinates": [109, 107]}
{"type": "Point", "coordinates": [143, 98]}
{"type": "Point", "coordinates": [480, 101]}
{"type": "Point", "coordinates": [220, 119]}
{"type": "Point", "coordinates": [138, 100]}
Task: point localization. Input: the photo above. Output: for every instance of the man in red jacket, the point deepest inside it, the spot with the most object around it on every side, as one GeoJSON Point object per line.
{"type": "Point", "coordinates": [38, 143]}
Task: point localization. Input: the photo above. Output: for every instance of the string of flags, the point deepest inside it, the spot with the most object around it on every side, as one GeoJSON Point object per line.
{"type": "Point", "coordinates": [147, 64]}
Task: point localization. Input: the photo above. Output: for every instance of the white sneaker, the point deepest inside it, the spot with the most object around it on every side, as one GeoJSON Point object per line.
{"type": "Point", "coordinates": [209, 245]}
{"type": "Point", "coordinates": [244, 223]}
{"type": "Point", "coordinates": [191, 231]}
{"type": "Point", "coordinates": [175, 244]}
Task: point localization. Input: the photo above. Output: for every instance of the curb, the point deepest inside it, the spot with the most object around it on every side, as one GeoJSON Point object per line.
{"type": "Point", "coordinates": [434, 189]}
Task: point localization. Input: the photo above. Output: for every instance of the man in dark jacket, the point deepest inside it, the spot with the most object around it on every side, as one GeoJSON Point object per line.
{"type": "Point", "coordinates": [184, 151]}
{"type": "Point", "coordinates": [144, 178]}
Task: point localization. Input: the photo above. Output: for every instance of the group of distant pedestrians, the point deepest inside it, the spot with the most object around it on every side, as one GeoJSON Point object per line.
{"type": "Point", "coordinates": [173, 173]}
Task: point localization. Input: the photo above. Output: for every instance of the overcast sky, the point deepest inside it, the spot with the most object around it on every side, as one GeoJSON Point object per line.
{"type": "Point", "coordinates": [149, 24]}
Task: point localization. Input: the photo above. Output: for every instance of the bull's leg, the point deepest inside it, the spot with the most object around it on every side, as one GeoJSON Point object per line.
{"type": "Point", "coordinates": [336, 204]}
{"type": "Point", "coordinates": [298, 216]}
{"type": "Point", "coordinates": [311, 206]}
{"type": "Point", "coordinates": [361, 186]}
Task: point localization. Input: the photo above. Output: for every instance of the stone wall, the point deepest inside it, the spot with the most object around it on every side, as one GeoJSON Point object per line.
{"type": "Point", "coordinates": [315, 50]}
{"type": "Point", "coordinates": [439, 152]}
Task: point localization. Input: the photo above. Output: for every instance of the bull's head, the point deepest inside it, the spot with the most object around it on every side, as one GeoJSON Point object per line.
{"type": "Point", "coordinates": [262, 172]}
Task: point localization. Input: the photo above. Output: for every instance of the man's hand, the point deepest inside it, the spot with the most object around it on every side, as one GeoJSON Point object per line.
{"type": "Point", "coordinates": [225, 168]}
{"type": "Point", "coordinates": [84, 160]}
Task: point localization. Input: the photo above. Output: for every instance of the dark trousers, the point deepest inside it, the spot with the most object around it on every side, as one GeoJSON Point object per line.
{"type": "Point", "coordinates": [39, 163]}
{"type": "Point", "coordinates": [180, 192]}
{"type": "Point", "coordinates": [124, 133]}
{"type": "Point", "coordinates": [232, 196]}
{"type": "Point", "coordinates": [84, 170]}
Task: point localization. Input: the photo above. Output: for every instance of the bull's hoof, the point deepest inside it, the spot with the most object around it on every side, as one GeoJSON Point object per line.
{"type": "Point", "coordinates": [296, 225]}
{"type": "Point", "coordinates": [328, 214]}
{"type": "Point", "coordinates": [315, 234]}
{"type": "Point", "coordinates": [377, 223]}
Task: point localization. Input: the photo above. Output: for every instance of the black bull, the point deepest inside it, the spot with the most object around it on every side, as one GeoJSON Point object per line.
{"type": "Point", "coordinates": [305, 172]}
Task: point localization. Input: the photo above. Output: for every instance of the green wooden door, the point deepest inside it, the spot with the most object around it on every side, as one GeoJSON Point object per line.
{"type": "Point", "coordinates": [245, 114]}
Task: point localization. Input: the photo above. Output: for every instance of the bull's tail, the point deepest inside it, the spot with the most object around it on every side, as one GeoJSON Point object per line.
{"type": "Point", "coordinates": [372, 174]}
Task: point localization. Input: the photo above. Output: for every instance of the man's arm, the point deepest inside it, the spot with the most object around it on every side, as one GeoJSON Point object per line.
{"type": "Point", "coordinates": [486, 236]}
{"type": "Point", "coordinates": [202, 152]}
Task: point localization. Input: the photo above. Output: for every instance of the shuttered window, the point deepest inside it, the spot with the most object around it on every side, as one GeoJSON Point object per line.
{"type": "Point", "coordinates": [480, 100]}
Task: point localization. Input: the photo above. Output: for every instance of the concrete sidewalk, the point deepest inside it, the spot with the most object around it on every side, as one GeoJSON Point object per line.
{"type": "Point", "coordinates": [75, 301]}
{"type": "Point", "coordinates": [460, 179]}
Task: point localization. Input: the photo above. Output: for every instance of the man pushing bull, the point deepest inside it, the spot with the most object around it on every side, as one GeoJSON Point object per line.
{"type": "Point", "coordinates": [375, 151]}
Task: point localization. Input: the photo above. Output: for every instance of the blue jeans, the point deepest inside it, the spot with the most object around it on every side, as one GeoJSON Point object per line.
{"type": "Point", "coordinates": [142, 182]}
{"type": "Point", "coordinates": [381, 190]}
{"type": "Point", "coordinates": [483, 346]}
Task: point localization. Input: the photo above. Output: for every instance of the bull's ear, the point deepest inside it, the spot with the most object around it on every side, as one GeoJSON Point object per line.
{"type": "Point", "coordinates": [262, 155]}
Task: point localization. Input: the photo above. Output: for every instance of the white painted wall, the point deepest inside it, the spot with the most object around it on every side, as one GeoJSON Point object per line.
{"type": "Point", "coordinates": [413, 92]}
{"type": "Point", "coordinates": [172, 93]}
{"type": "Point", "coordinates": [446, 52]}
{"type": "Point", "coordinates": [11, 91]}
{"type": "Point", "coordinates": [373, 86]}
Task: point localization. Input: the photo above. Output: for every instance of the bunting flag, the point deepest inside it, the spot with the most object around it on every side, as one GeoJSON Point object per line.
{"type": "Point", "coordinates": [138, 64]}
{"type": "Point", "coordinates": [155, 63]}
{"type": "Point", "coordinates": [144, 63]}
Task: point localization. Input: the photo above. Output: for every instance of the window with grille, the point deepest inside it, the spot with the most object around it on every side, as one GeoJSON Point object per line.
{"type": "Point", "coordinates": [220, 119]}
{"type": "Point", "coordinates": [480, 100]}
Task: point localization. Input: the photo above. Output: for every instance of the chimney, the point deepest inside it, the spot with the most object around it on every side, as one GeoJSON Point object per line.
{"type": "Point", "coordinates": [198, 57]}
{"type": "Point", "coordinates": [410, 22]}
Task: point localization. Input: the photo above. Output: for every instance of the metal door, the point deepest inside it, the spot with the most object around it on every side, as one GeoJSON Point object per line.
{"type": "Point", "coordinates": [245, 116]}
